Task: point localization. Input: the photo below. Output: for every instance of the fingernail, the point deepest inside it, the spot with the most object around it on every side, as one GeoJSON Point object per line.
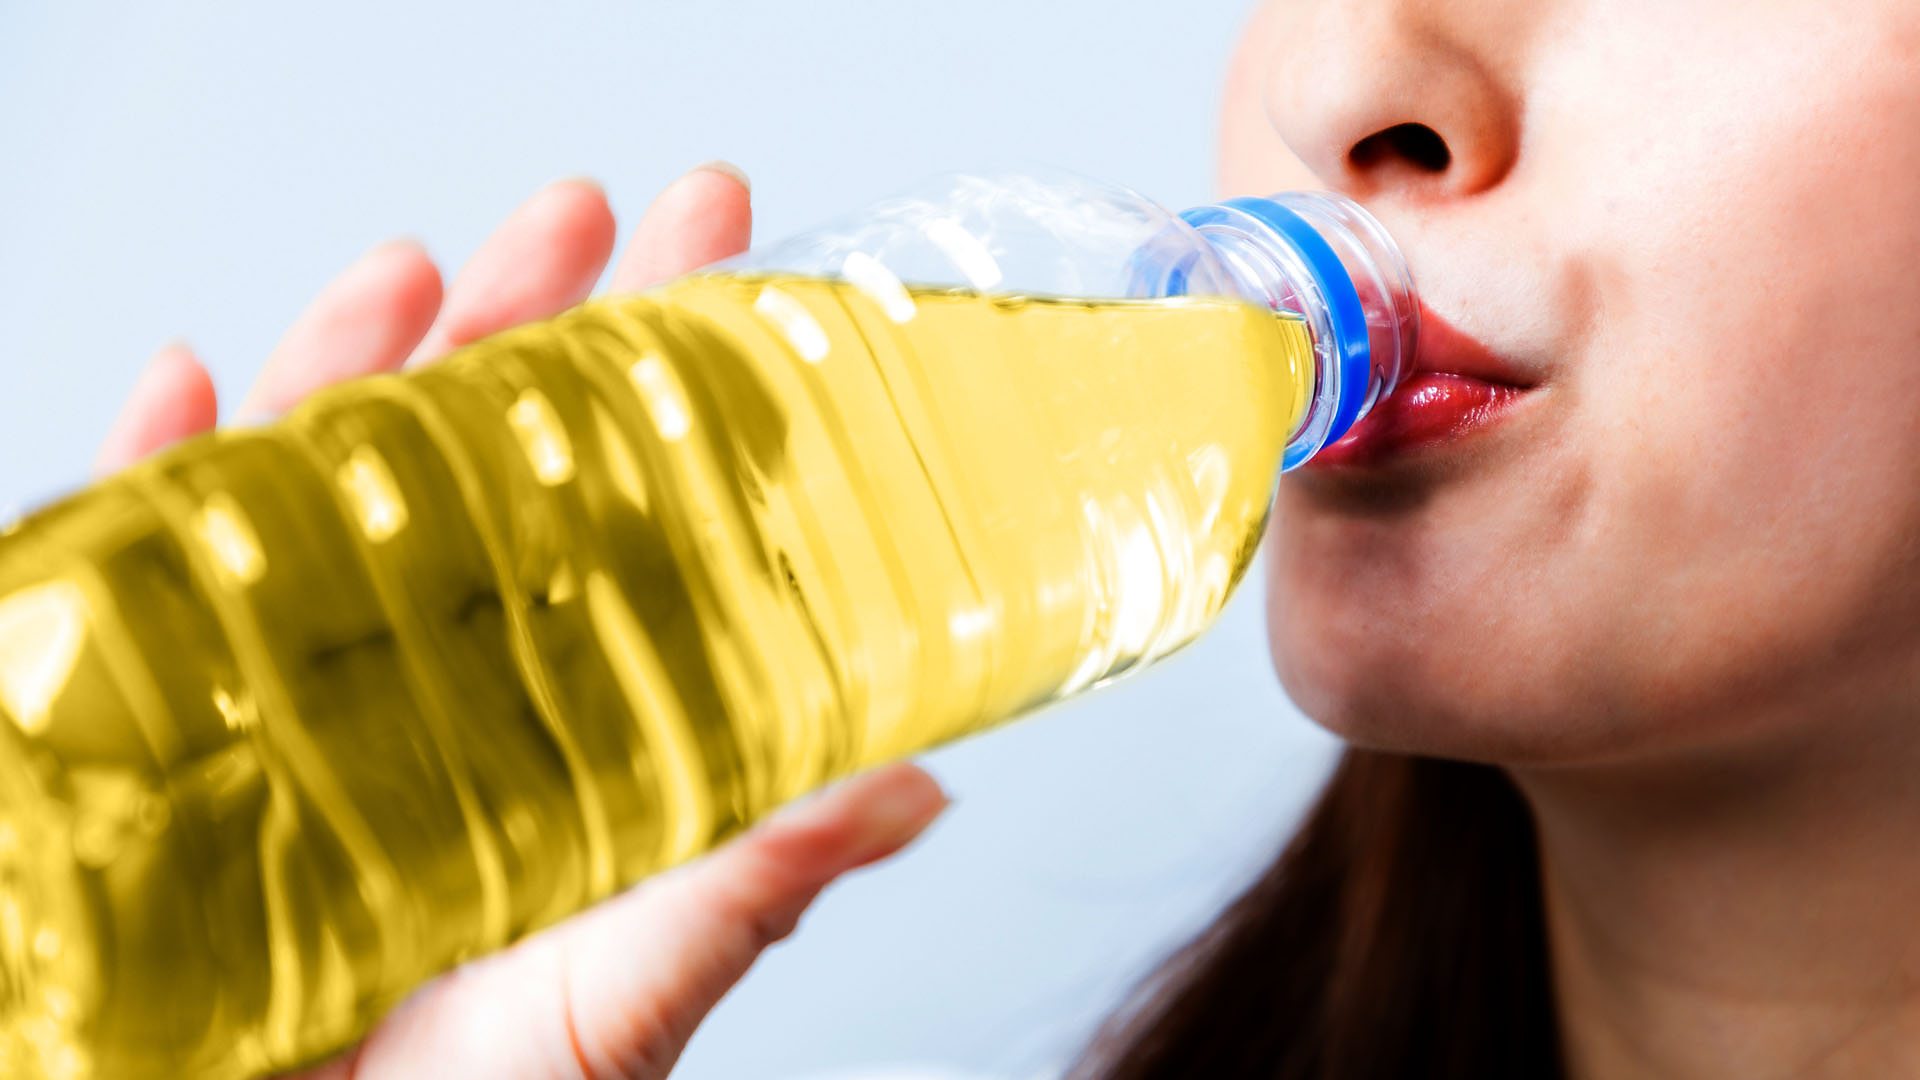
{"type": "Point", "coordinates": [888, 810]}
{"type": "Point", "coordinates": [725, 168]}
{"type": "Point", "coordinates": [899, 813]}
{"type": "Point", "coordinates": [178, 347]}
{"type": "Point", "coordinates": [157, 365]}
{"type": "Point", "coordinates": [373, 259]}
{"type": "Point", "coordinates": [583, 181]}
{"type": "Point", "coordinates": [379, 263]}
{"type": "Point", "coordinates": [399, 243]}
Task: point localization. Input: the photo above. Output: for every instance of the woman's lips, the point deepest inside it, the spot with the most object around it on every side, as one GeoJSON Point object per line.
{"type": "Point", "coordinates": [1458, 387]}
{"type": "Point", "coordinates": [1429, 408]}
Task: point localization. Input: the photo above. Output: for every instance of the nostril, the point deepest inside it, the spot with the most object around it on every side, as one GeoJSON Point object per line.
{"type": "Point", "coordinates": [1414, 144]}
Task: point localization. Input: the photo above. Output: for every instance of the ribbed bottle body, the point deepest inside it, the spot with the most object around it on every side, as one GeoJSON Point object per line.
{"type": "Point", "coordinates": [293, 718]}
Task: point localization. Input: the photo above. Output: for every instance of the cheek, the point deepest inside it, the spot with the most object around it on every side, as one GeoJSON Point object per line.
{"type": "Point", "coordinates": [1253, 159]}
{"type": "Point", "coordinates": [1754, 526]}
{"type": "Point", "coordinates": [1752, 397]}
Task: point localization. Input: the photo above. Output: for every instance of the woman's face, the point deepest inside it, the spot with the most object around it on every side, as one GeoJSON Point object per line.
{"type": "Point", "coordinates": [1694, 226]}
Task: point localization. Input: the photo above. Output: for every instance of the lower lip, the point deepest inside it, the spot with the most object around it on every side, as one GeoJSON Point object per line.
{"type": "Point", "coordinates": [1427, 410]}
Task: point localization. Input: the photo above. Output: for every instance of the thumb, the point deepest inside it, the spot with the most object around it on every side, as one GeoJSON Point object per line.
{"type": "Point", "coordinates": [704, 216]}
{"type": "Point", "coordinates": [644, 974]}
{"type": "Point", "coordinates": [617, 991]}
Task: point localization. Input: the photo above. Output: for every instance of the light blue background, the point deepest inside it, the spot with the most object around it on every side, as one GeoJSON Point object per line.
{"type": "Point", "coordinates": [198, 169]}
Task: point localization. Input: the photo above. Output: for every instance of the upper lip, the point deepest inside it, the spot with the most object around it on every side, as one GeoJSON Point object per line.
{"type": "Point", "coordinates": [1445, 349]}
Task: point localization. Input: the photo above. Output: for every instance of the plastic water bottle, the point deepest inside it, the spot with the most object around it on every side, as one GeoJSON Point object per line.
{"type": "Point", "coordinates": [294, 718]}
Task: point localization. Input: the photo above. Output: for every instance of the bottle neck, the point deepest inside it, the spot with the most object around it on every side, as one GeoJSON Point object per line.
{"type": "Point", "coordinates": [1321, 257]}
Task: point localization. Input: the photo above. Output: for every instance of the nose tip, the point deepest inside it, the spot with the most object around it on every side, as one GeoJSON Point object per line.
{"type": "Point", "coordinates": [1378, 109]}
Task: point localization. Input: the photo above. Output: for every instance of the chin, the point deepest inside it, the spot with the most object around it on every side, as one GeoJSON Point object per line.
{"type": "Point", "coordinates": [1409, 610]}
{"type": "Point", "coordinates": [1385, 674]}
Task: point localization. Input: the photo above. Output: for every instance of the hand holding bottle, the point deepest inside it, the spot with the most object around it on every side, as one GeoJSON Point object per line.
{"type": "Point", "coordinates": [618, 990]}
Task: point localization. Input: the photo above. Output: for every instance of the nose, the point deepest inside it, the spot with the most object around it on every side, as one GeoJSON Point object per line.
{"type": "Point", "coordinates": [1403, 98]}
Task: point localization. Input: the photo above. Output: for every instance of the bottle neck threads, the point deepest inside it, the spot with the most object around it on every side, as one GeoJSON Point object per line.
{"type": "Point", "coordinates": [1321, 257]}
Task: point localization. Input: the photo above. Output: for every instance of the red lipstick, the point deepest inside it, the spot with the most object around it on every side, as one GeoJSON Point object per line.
{"type": "Point", "coordinates": [1458, 388]}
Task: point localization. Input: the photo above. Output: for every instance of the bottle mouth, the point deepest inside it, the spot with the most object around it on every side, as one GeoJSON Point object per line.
{"type": "Point", "coordinates": [1323, 258]}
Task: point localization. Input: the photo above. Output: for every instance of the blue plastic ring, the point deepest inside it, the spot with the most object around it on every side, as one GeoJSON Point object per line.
{"type": "Point", "coordinates": [1346, 315]}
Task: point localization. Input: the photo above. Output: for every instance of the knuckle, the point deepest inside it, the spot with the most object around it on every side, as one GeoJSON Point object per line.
{"type": "Point", "coordinates": [764, 929]}
{"type": "Point", "coordinates": [751, 920]}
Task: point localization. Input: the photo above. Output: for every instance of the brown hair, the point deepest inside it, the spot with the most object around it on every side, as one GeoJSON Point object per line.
{"type": "Point", "coordinates": [1399, 935]}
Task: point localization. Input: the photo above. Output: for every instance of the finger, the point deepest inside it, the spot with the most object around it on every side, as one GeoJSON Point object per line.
{"type": "Point", "coordinates": [618, 990]}
{"type": "Point", "coordinates": [704, 216]}
{"type": "Point", "coordinates": [367, 320]}
{"type": "Point", "coordinates": [174, 398]}
{"type": "Point", "coordinates": [542, 260]}
{"type": "Point", "coordinates": [642, 975]}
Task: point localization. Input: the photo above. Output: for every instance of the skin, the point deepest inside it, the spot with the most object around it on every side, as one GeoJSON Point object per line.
{"type": "Point", "coordinates": [617, 991]}
{"type": "Point", "coordinates": [1677, 591]}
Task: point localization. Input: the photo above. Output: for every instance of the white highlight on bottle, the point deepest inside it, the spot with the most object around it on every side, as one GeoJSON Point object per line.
{"type": "Point", "coordinates": [223, 529]}
{"type": "Point", "coordinates": [376, 499]}
{"type": "Point", "coordinates": [794, 322]}
{"type": "Point", "coordinates": [1211, 473]}
{"type": "Point", "coordinates": [872, 277]}
{"type": "Point", "coordinates": [969, 623]}
{"type": "Point", "coordinates": [542, 438]}
{"type": "Point", "coordinates": [1171, 538]}
{"type": "Point", "coordinates": [1138, 597]}
{"type": "Point", "coordinates": [660, 390]}
{"type": "Point", "coordinates": [231, 714]}
{"type": "Point", "coordinates": [40, 638]}
{"type": "Point", "coordinates": [967, 253]}
{"type": "Point", "coordinates": [1097, 585]}
{"type": "Point", "coordinates": [564, 586]}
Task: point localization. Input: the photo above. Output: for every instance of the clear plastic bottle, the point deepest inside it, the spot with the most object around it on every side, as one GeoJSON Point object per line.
{"type": "Point", "coordinates": [293, 718]}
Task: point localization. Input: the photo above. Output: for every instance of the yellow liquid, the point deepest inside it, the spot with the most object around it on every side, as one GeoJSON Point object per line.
{"type": "Point", "coordinates": [294, 718]}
